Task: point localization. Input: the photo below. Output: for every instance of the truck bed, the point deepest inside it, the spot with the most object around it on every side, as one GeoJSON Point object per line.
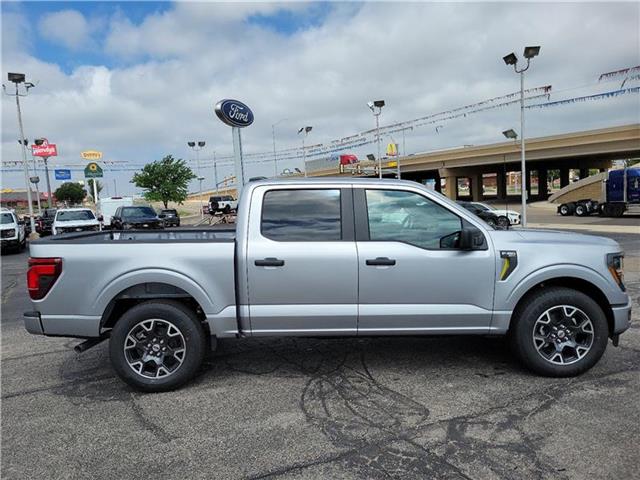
{"type": "Point", "coordinates": [98, 267]}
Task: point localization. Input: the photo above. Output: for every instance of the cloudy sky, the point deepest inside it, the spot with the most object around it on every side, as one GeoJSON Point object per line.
{"type": "Point", "coordinates": [138, 80]}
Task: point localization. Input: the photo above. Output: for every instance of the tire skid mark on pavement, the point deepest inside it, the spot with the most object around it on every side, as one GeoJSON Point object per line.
{"type": "Point", "coordinates": [138, 411]}
{"type": "Point", "coordinates": [385, 434]}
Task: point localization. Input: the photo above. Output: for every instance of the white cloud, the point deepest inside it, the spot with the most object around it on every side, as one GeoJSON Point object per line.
{"type": "Point", "coordinates": [421, 58]}
{"type": "Point", "coordinates": [68, 28]}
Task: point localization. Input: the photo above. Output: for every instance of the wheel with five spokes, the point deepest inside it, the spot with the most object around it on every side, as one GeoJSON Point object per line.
{"type": "Point", "coordinates": [559, 332]}
{"type": "Point", "coordinates": [157, 345]}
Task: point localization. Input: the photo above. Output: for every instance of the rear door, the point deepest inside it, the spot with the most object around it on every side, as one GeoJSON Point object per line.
{"type": "Point", "coordinates": [413, 277]}
{"type": "Point", "coordinates": [302, 270]}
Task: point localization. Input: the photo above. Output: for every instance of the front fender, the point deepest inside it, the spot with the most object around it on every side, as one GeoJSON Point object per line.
{"type": "Point", "coordinates": [169, 277]}
{"type": "Point", "coordinates": [613, 294]}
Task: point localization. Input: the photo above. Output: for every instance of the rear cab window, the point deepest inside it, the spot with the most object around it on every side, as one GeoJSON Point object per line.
{"type": "Point", "coordinates": [311, 215]}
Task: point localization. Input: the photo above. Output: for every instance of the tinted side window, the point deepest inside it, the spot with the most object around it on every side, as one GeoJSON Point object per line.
{"type": "Point", "coordinates": [301, 215]}
{"type": "Point", "coordinates": [411, 218]}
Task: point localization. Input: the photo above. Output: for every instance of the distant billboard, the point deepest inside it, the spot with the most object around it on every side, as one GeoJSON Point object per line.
{"type": "Point", "coordinates": [91, 155]}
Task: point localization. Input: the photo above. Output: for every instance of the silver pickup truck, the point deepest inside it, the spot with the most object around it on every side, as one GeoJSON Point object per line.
{"type": "Point", "coordinates": [332, 257]}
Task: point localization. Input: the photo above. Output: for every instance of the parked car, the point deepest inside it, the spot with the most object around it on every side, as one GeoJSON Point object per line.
{"type": "Point", "coordinates": [12, 232]}
{"type": "Point", "coordinates": [332, 257]}
{"type": "Point", "coordinates": [107, 206]}
{"type": "Point", "coordinates": [170, 217]}
{"type": "Point", "coordinates": [222, 203]}
{"type": "Point", "coordinates": [512, 216]}
{"type": "Point", "coordinates": [488, 216]}
{"type": "Point", "coordinates": [45, 221]}
{"type": "Point", "coordinates": [69, 220]}
{"type": "Point", "coordinates": [138, 218]}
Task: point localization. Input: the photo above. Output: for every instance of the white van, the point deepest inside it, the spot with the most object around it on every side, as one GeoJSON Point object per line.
{"type": "Point", "coordinates": [12, 231]}
{"type": "Point", "coordinates": [107, 206]}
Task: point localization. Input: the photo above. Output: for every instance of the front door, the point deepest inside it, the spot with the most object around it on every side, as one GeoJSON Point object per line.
{"type": "Point", "coordinates": [413, 278]}
{"type": "Point", "coordinates": [302, 268]}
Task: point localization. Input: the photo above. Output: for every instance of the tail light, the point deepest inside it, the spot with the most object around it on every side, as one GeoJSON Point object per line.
{"type": "Point", "coordinates": [42, 274]}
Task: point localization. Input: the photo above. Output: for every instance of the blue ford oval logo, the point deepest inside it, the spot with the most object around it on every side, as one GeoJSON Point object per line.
{"type": "Point", "coordinates": [234, 113]}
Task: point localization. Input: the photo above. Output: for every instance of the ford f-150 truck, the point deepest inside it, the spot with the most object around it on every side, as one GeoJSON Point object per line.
{"type": "Point", "coordinates": [333, 257]}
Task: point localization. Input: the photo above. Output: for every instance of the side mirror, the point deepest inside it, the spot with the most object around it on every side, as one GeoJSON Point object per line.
{"type": "Point", "coordinates": [465, 241]}
{"type": "Point", "coordinates": [471, 239]}
{"type": "Point", "coordinates": [100, 218]}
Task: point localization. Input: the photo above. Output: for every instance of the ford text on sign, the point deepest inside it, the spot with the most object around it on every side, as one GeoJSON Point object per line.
{"type": "Point", "coordinates": [234, 113]}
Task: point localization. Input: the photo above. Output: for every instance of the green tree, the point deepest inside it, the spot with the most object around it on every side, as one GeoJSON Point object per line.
{"type": "Point", "coordinates": [70, 192]}
{"type": "Point", "coordinates": [99, 186]}
{"type": "Point", "coordinates": [165, 181]}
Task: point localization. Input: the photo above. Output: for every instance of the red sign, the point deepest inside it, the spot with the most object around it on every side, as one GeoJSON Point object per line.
{"type": "Point", "coordinates": [45, 150]}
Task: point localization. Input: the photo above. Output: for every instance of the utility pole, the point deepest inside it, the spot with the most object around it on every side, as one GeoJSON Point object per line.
{"type": "Point", "coordinates": [275, 155]}
{"type": "Point", "coordinates": [35, 175]}
{"type": "Point", "coordinates": [215, 171]}
{"type": "Point", "coordinates": [197, 149]}
{"type": "Point", "coordinates": [373, 105]}
{"type": "Point", "coordinates": [18, 78]}
{"type": "Point", "coordinates": [305, 131]}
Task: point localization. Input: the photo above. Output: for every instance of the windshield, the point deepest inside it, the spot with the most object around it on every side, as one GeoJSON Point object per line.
{"type": "Point", "coordinates": [6, 218]}
{"type": "Point", "coordinates": [483, 207]}
{"type": "Point", "coordinates": [138, 212]}
{"type": "Point", "coordinates": [75, 215]}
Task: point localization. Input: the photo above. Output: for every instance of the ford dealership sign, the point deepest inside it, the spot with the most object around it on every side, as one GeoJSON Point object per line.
{"type": "Point", "coordinates": [234, 113]}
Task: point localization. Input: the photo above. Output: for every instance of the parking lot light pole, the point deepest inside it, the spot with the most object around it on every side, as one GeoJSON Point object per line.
{"type": "Point", "coordinates": [200, 146]}
{"type": "Point", "coordinates": [373, 105]}
{"type": "Point", "coordinates": [305, 131]}
{"type": "Point", "coordinates": [512, 59]}
{"type": "Point", "coordinates": [275, 155]}
{"type": "Point", "coordinates": [17, 79]}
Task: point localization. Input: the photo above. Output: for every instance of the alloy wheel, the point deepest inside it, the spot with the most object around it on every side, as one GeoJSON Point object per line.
{"type": "Point", "coordinates": [154, 348]}
{"type": "Point", "coordinates": [563, 335]}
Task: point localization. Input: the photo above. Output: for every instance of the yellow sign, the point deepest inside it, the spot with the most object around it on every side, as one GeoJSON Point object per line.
{"type": "Point", "coordinates": [392, 150]}
{"type": "Point", "coordinates": [392, 164]}
{"type": "Point", "coordinates": [91, 155]}
{"type": "Point", "coordinates": [6, 190]}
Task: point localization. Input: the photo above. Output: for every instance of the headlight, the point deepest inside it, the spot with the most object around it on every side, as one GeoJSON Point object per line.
{"type": "Point", "coordinates": [615, 265]}
{"type": "Point", "coordinates": [127, 226]}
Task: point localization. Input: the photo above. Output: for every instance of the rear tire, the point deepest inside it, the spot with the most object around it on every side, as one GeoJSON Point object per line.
{"type": "Point", "coordinates": [559, 332]}
{"type": "Point", "coordinates": [581, 210]}
{"type": "Point", "coordinates": [227, 210]}
{"type": "Point", "coordinates": [144, 332]}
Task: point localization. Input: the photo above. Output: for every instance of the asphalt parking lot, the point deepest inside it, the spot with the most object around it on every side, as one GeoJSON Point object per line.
{"type": "Point", "coordinates": [445, 408]}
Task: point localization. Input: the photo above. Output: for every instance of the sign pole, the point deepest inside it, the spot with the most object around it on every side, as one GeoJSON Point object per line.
{"type": "Point", "coordinates": [237, 156]}
{"type": "Point", "coordinates": [95, 192]}
{"type": "Point", "coordinates": [46, 174]}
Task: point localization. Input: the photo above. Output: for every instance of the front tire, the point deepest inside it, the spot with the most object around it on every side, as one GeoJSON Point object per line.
{"type": "Point", "coordinates": [503, 222]}
{"type": "Point", "coordinates": [157, 346]}
{"type": "Point", "coordinates": [559, 332]}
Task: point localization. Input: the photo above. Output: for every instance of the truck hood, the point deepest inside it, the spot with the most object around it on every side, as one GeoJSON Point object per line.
{"type": "Point", "coordinates": [555, 237]}
{"type": "Point", "coordinates": [8, 226]}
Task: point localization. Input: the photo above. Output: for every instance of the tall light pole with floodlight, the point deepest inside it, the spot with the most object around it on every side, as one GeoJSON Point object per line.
{"type": "Point", "coordinates": [305, 131]}
{"type": "Point", "coordinates": [373, 105]}
{"type": "Point", "coordinates": [17, 79]}
{"type": "Point", "coordinates": [275, 156]}
{"type": "Point", "coordinates": [200, 146]}
{"type": "Point", "coordinates": [512, 59]}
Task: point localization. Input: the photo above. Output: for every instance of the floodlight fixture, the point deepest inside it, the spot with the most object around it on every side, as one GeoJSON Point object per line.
{"type": "Point", "coordinates": [378, 103]}
{"type": "Point", "coordinates": [530, 52]}
{"type": "Point", "coordinates": [39, 141]}
{"type": "Point", "coordinates": [191, 144]}
{"type": "Point", "coordinates": [16, 77]}
{"type": "Point", "coordinates": [511, 133]}
{"type": "Point", "coordinates": [510, 59]}
{"type": "Point", "coordinates": [201, 144]}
